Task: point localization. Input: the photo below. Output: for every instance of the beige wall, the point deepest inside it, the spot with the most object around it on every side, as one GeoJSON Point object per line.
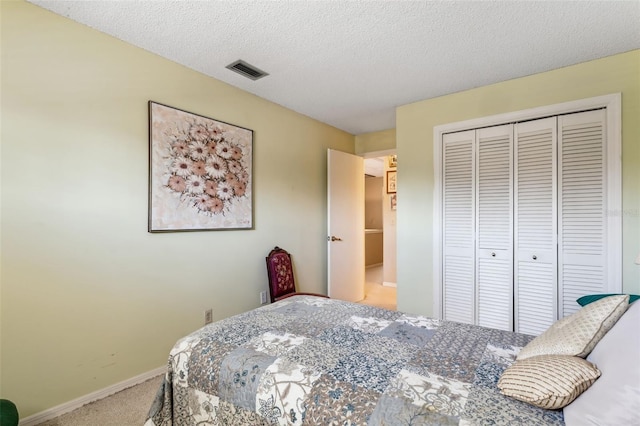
{"type": "Point", "coordinates": [373, 248]}
{"type": "Point", "coordinates": [414, 131]}
{"type": "Point", "coordinates": [390, 268]}
{"type": "Point", "coordinates": [373, 220]}
{"type": "Point", "coordinates": [373, 202]}
{"type": "Point", "coordinates": [383, 140]}
{"type": "Point", "coordinates": [89, 298]}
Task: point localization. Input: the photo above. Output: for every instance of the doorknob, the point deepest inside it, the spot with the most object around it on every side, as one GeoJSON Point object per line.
{"type": "Point", "coordinates": [332, 238]}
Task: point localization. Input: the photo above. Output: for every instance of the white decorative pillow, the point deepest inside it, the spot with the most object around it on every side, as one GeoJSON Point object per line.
{"type": "Point", "coordinates": [548, 381]}
{"type": "Point", "coordinates": [615, 398]}
{"type": "Point", "coordinates": [578, 333]}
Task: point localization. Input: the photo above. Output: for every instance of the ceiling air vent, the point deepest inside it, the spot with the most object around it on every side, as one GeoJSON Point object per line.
{"type": "Point", "coordinates": [247, 70]}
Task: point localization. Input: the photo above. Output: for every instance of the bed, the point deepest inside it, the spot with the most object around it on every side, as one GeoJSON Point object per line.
{"type": "Point", "coordinates": [316, 361]}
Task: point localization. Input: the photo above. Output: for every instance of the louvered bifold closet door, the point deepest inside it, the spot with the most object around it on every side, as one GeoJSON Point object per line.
{"type": "Point", "coordinates": [535, 225]}
{"type": "Point", "coordinates": [582, 207]}
{"type": "Point", "coordinates": [494, 267]}
{"type": "Point", "coordinates": [459, 227]}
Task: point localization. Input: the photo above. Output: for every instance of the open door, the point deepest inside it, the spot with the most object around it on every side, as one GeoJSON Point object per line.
{"type": "Point", "coordinates": [345, 217]}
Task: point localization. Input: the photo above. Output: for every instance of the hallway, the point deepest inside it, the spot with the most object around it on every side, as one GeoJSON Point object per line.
{"type": "Point", "coordinates": [375, 293]}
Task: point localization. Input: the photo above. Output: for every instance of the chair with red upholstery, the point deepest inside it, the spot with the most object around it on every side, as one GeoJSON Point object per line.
{"type": "Point", "coordinates": [281, 281]}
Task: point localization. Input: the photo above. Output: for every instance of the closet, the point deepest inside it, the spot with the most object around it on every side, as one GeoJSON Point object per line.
{"type": "Point", "coordinates": [525, 228]}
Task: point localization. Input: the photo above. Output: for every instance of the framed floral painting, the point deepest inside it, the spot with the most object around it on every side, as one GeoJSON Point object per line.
{"type": "Point", "coordinates": [200, 172]}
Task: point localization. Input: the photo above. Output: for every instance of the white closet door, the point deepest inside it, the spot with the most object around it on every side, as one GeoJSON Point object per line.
{"type": "Point", "coordinates": [459, 227]}
{"type": "Point", "coordinates": [535, 225]}
{"type": "Point", "coordinates": [582, 207]}
{"type": "Point", "coordinates": [494, 267]}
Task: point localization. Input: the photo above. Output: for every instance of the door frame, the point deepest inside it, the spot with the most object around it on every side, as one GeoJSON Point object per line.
{"type": "Point", "coordinates": [377, 154]}
{"type": "Point", "coordinates": [613, 105]}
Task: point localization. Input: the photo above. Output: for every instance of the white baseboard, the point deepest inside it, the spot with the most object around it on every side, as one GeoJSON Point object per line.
{"type": "Point", "coordinates": [67, 407]}
{"type": "Point", "coordinates": [389, 284]}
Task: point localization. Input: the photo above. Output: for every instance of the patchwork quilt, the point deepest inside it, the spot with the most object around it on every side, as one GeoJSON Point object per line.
{"type": "Point", "coordinates": [312, 361]}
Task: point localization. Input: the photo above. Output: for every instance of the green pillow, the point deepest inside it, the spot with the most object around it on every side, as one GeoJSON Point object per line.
{"type": "Point", "coordinates": [8, 413]}
{"type": "Point", "coordinates": [585, 300]}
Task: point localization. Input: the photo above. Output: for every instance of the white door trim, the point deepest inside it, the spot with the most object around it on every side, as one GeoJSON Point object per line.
{"type": "Point", "coordinates": [612, 103]}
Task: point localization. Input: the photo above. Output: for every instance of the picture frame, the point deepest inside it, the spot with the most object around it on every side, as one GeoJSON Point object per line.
{"type": "Point", "coordinates": [200, 172]}
{"type": "Point", "coordinates": [391, 181]}
{"type": "Point", "coordinates": [393, 161]}
{"type": "Point", "coordinates": [393, 199]}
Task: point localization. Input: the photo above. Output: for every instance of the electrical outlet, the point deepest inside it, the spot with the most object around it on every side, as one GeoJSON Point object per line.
{"type": "Point", "coordinates": [263, 297]}
{"type": "Point", "coordinates": [208, 316]}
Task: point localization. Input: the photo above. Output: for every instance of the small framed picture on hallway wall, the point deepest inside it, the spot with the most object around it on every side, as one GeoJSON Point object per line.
{"type": "Point", "coordinates": [391, 181]}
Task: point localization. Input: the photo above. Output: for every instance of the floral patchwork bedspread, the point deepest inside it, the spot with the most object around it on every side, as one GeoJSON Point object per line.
{"type": "Point", "coordinates": [313, 361]}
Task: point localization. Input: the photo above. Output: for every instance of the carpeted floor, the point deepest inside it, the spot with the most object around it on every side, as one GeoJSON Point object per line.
{"type": "Point", "coordinates": [125, 408]}
{"type": "Point", "coordinates": [130, 406]}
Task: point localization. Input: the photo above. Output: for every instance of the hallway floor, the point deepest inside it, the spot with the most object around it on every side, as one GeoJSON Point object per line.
{"type": "Point", "coordinates": [375, 293]}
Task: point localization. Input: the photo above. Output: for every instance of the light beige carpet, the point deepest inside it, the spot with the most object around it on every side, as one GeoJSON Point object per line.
{"type": "Point", "coordinates": [128, 407]}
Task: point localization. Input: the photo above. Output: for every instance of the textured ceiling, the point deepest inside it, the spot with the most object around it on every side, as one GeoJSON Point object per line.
{"type": "Point", "coordinates": [374, 166]}
{"type": "Point", "coordinates": [350, 63]}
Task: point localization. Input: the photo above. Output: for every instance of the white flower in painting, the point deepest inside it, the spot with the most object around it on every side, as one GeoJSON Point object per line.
{"type": "Point", "coordinates": [195, 184]}
{"type": "Point", "coordinates": [230, 136]}
{"type": "Point", "coordinates": [181, 166]}
{"type": "Point", "coordinates": [223, 149]}
{"type": "Point", "coordinates": [216, 167]}
{"type": "Point", "coordinates": [198, 150]}
{"type": "Point", "coordinates": [201, 202]}
{"type": "Point", "coordinates": [225, 191]}
{"type": "Point", "coordinates": [234, 166]}
{"type": "Point", "coordinates": [180, 148]}
{"type": "Point", "coordinates": [217, 133]}
{"type": "Point", "coordinates": [198, 132]}
{"type": "Point", "coordinates": [244, 176]}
